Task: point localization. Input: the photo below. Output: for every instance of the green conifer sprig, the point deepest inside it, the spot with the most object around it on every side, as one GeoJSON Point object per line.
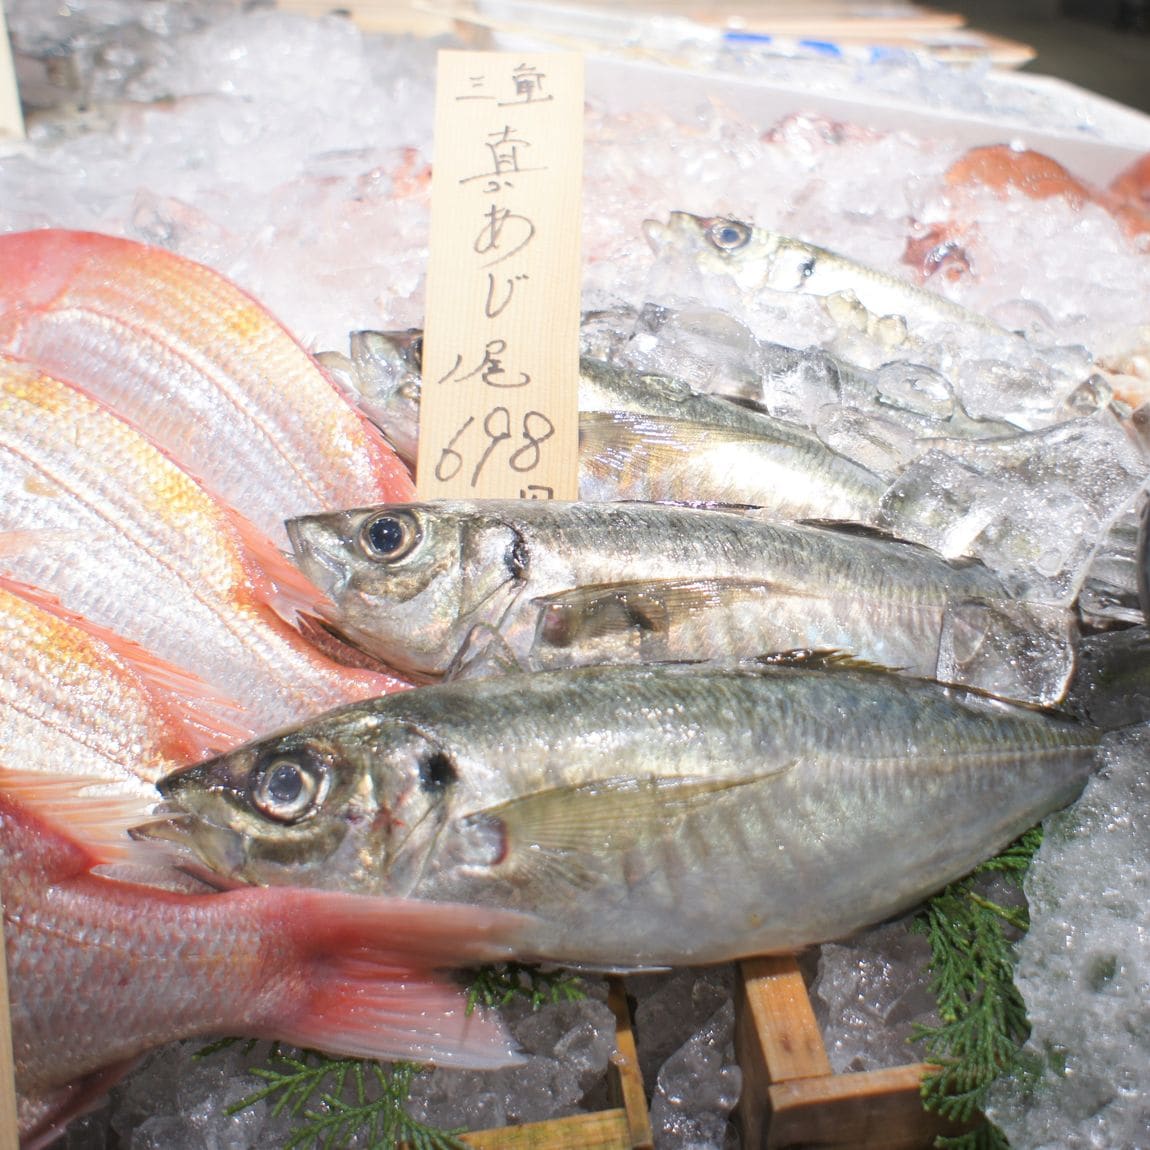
{"type": "Point", "coordinates": [983, 1016]}
{"type": "Point", "coordinates": [499, 984]}
{"type": "Point", "coordinates": [336, 1099]}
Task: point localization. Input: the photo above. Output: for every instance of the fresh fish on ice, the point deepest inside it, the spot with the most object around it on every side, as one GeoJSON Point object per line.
{"type": "Point", "coordinates": [382, 377]}
{"type": "Point", "coordinates": [100, 971]}
{"type": "Point", "coordinates": [647, 815]}
{"type": "Point", "coordinates": [199, 366]}
{"type": "Point", "coordinates": [650, 437]}
{"type": "Point", "coordinates": [757, 258]}
{"type": "Point", "coordinates": [92, 512]}
{"type": "Point", "coordinates": [454, 586]}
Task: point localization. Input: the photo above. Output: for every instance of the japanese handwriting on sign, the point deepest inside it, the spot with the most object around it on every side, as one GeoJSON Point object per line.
{"type": "Point", "coordinates": [503, 148]}
{"type": "Point", "coordinates": [527, 87]}
{"type": "Point", "coordinates": [490, 368]}
{"type": "Point", "coordinates": [500, 429]}
{"type": "Point", "coordinates": [520, 232]}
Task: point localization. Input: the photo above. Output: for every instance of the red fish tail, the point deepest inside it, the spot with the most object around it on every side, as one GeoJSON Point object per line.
{"type": "Point", "coordinates": [367, 982]}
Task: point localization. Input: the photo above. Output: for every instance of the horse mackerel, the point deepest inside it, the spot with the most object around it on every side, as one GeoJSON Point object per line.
{"type": "Point", "coordinates": [473, 587]}
{"type": "Point", "coordinates": [646, 815]}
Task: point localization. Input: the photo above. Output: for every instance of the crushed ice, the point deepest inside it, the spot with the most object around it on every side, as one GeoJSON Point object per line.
{"type": "Point", "coordinates": [184, 124]}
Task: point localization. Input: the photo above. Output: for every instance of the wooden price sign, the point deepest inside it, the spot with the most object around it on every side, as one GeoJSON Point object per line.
{"type": "Point", "coordinates": [499, 405]}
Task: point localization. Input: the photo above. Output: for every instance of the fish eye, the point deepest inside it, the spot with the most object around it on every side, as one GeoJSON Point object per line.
{"type": "Point", "coordinates": [288, 788]}
{"type": "Point", "coordinates": [390, 535]}
{"type": "Point", "coordinates": [728, 235]}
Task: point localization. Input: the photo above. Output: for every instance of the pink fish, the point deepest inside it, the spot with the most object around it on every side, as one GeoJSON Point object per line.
{"type": "Point", "coordinates": [200, 367]}
{"type": "Point", "coordinates": [101, 970]}
{"type": "Point", "coordinates": [94, 513]}
{"type": "Point", "coordinates": [96, 716]}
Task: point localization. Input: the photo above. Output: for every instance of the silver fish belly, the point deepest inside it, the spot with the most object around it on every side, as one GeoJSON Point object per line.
{"type": "Point", "coordinates": [648, 815]}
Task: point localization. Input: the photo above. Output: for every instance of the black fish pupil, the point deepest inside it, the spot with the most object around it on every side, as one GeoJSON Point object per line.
{"type": "Point", "coordinates": [385, 535]}
{"type": "Point", "coordinates": [436, 773]}
{"type": "Point", "coordinates": [285, 783]}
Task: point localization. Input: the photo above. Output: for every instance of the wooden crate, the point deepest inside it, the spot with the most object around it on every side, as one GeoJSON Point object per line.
{"type": "Point", "coordinates": [791, 1096]}
{"type": "Point", "coordinates": [626, 1126]}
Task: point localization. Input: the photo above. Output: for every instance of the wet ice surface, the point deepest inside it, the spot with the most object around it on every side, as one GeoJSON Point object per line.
{"type": "Point", "coordinates": [1084, 969]}
{"type": "Point", "coordinates": [185, 124]}
{"type": "Point", "coordinates": [869, 993]}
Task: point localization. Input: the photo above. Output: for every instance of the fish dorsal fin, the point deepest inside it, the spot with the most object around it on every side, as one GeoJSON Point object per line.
{"type": "Point", "coordinates": [207, 721]}
{"type": "Point", "coordinates": [574, 834]}
{"type": "Point", "coordinates": [649, 606]}
{"type": "Point", "coordinates": [810, 658]}
{"type": "Point", "coordinates": [93, 813]}
{"type": "Point", "coordinates": [849, 527]}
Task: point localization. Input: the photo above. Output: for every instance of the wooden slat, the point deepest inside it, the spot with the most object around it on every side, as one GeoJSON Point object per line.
{"type": "Point", "coordinates": [627, 1090]}
{"type": "Point", "coordinates": [11, 117]}
{"type": "Point", "coordinates": [626, 1126]}
{"type": "Point", "coordinates": [776, 1037]}
{"type": "Point", "coordinates": [605, 1130]}
{"type": "Point", "coordinates": [876, 1110]}
{"type": "Point", "coordinates": [774, 999]}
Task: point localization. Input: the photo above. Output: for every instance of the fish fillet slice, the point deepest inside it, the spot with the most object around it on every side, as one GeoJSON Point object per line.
{"type": "Point", "coordinates": [199, 366]}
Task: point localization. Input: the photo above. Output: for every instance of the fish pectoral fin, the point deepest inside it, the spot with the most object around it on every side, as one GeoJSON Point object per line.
{"type": "Point", "coordinates": [483, 654]}
{"type": "Point", "coordinates": [579, 835]}
{"type": "Point", "coordinates": [618, 442]}
{"type": "Point", "coordinates": [651, 606]}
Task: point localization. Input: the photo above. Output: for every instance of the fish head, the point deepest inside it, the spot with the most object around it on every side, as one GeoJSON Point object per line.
{"type": "Point", "coordinates": [382, 379]}
{"type": "Point", "coordinates": [352, 801]}
{"type": "Point", "coordinates": [408, 582]}
{"type": "Point", "coordinates": [717, 245]}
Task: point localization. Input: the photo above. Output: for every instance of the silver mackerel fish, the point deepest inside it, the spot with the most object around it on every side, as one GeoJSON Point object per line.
{"type": "Point", "coordinates": [755, 258]}
{"type": "Point", "coordinates": [476, 588]}
{"type": "Point", "coordinates": [647, 815]}
{"type": "Point", "coordinates": [642, 435]}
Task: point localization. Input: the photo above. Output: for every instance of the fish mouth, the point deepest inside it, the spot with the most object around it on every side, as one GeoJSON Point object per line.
{"type": "Point", "coordinates": [185, 839]}
{"type": "Point", "coordinates": [329, 573]}
{"type": "Point", "coordinates": [662, 236]}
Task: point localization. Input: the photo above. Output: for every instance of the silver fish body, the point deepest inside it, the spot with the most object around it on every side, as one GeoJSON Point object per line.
{"type": "Point", "coordinates": [475, 587]}
{"type": "Point", "coordinates": [645, 436]}
{"type": "Point", "coordinates": [757, 258]}
{"type": "Point", "coordinates": [648, 816]}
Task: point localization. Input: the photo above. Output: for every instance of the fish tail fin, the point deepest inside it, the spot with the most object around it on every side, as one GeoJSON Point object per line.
{"type": "Point", "coordinates": [371, 987]}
